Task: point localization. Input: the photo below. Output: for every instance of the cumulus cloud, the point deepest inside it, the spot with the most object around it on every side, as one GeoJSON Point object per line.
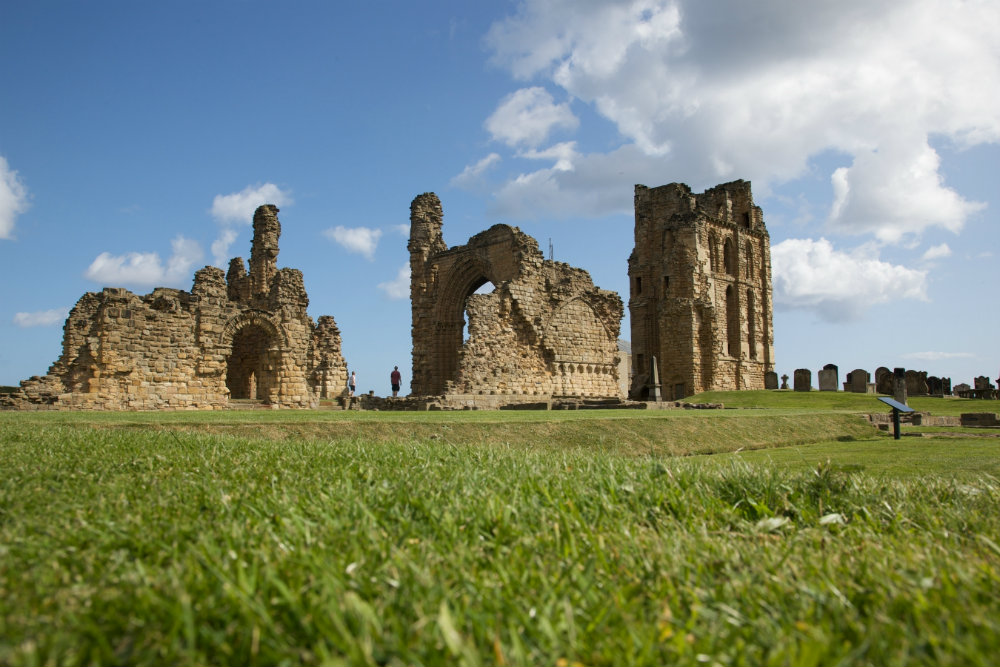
{"type": "Point", "coordinates": [41, 318]}
{"type": "Point", "coordinates": [937, 252]}
{"type": "Point", "coordinates": [239, 206]}
{"type": "Point", "coordinates": [236, 209]}
{"type": "Point", "coordinates": [399, 287]}
{"type": "Point", "coordinates": [13, 199]}
{"type": "Point", "coordinates": [146, 269]}
{"type": "Point", "coordinates": [359, 240]}
{"type": "Point", "coordinates": [762, 91]}
{"type": "Point", "coordinates": [527, 116]}
{"type": "Point", "coordinates": [838, 286]}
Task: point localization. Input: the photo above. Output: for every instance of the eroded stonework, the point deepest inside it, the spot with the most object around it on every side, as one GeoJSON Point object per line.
{"type": "Point", "coordinates": [544, 331]}
{"type": "Point", "coordinates": [700, 290]}
{"type": "Point", "coordinates": [241, 336]}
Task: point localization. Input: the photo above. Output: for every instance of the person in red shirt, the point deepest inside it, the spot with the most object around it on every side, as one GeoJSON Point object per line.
{"type": "Point", "coordinates": [396, 379]}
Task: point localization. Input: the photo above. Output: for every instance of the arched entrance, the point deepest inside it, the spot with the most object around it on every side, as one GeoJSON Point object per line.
{"type": "Point", "coordinates": [252, 364]}
{"type": "Point", "coordinates": [253, 345]}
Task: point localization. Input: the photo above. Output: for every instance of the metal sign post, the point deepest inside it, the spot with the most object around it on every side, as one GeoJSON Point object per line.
{"type": "Point", "coordinates": [897, 407]}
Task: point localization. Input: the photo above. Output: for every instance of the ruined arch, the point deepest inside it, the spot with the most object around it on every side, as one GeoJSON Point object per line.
{"type": "Point", "coordinates": [523, 337]}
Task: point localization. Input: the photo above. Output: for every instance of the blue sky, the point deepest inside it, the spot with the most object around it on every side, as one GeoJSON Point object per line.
{"type": "Point", "coordinates": [136, 138]}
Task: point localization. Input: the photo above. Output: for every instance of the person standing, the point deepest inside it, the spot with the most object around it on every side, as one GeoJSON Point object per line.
{"type": "Point", "coordinates": [396, 379]}
{"type": "Point", "coordinates": [352, 383]}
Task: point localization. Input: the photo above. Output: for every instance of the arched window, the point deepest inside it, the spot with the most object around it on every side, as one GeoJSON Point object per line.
{"type": "Point", "coordinates": [729, 256]}
{"type": "Point", "coordinates": [713, 252]}
{"type": "Point", "coordinates": [732, 322]}
{"type": "Point", "coordinates": [751, 325]}
{"type": "Point", "coordinates": [749, 260]}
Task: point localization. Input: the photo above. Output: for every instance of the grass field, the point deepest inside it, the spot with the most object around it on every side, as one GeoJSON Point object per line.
{"type": "Point", "coordinates": [781, 535]}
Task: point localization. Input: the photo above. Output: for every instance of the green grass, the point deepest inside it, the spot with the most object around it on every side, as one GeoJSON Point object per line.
{"type": "Point", "coordinates": [839, 401]}
{"type": "Point", "coordinates": [494, 538]}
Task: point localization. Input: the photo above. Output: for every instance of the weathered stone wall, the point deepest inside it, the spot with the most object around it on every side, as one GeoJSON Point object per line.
{"type": "Point", "coordinates": [545, 330]}
{"type": "Point", "coordinates": [245, 335]}
{"type": "Point", "coordinates": [700, 290]}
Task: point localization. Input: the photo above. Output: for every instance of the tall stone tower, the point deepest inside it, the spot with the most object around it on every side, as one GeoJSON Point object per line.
{"type": "Point", "coordinates": [264, 251]}
{"type": "Point", "coordinates": [700, 291]}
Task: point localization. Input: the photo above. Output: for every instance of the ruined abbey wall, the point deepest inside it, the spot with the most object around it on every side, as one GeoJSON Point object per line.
{"type": "Point", "coordinates": [545, 330]}
{"type": "Point", "coordinates": [242, 335]}
{"type": "Point", "coordinates": [700, 290]}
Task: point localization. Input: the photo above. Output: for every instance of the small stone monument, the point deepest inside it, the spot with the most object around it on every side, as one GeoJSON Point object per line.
{"type": "Point", "coordinates": [654, 386]}
{"type": "Point", "coordinates": [770, 380]}
{"type": "Point", "coordinates": [784, 381]}
{"type": "Point", "coordinates": [803, 379]}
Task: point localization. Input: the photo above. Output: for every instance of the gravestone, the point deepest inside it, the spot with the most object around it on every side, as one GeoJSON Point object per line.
{"type": "Point", "coordinates": [858, 379]}
{"type": "Point", "coordinates": [934, 386]}
{"type": "Point", "coordinates": [784, 381]}
{"type": "Point", "coordinates": [884, 382]}
{"type": "Point", "coordinates": [770, 380]}
{"type": "Point", "coordinates": [828, 378]}
{"type": "Point", "coordinates": [916, 383]}
{"type": "Point", "coordinates": [803, 379]}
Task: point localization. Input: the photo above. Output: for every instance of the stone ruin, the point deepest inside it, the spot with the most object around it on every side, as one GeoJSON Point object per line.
{"type": "Point", "coordinates": [233, 336]}
{"type": "Point", "coordinates": [700, 290]}
{"type": "Point", "coordinates": [545, 331]}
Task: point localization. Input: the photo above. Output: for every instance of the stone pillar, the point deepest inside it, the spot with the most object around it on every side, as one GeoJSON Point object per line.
{"type": "Point", "coordinates": [803, 379]}
{"type": "Point", "coordinates": [264, 251]}
{"type": "Point", "coordinates": [899, 385]}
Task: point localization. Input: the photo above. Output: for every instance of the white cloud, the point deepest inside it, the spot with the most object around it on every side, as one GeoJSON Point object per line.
{"type": "Point", "coordinates": [146, 269]}
{"type": "Point", "coordinates": [13, 199]}
{"type": "Point", "coordinates": [527, 116]}
{"type": "Point", "coordinates": [896, 191]}
{"type": "Point", "coordinates": [360, 240]}
{"type": "Point", "coordinates": [473, 172]}
{"type": "Point", "coordinates": [402, 229]}
{"type": "Point", "coordinates": [398, 288]}
{"type": "Point", "coordinates": [41, 318]}
{"type": "Point", "coordinates": [238, 207]}
{"type": "Point", "coordinates": [839, 286]}
{"type": "Point", "coordinates": [758, 93]}
{"type": "Point", "coordinates": [937, 252]}
{"type": "Point", "coordinates": [220, 246]}
{"type": "Point", "coordinates": [936, 356]}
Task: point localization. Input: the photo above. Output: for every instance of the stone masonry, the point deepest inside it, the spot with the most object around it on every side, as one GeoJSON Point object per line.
{"type": "Point", "coordinates": [239, 335]}
{"type": "Point", "coordinates": [544, 331]}
{"type": "Point", "coordinates": [700, 290]}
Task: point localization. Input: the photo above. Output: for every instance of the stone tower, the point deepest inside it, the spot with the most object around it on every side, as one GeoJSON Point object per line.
{"type": "Point", "coordinates": [264, 250]}
{"type": "Point", "coordinates": [700, 290]}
